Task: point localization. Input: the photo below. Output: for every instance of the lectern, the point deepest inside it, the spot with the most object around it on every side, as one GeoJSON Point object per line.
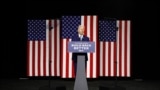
{"type": "Point", "coordinates": [81, 47]}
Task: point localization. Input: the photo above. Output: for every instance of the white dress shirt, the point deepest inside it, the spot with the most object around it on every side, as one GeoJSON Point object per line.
{"type": "Point", "coordinates": [80, 36]}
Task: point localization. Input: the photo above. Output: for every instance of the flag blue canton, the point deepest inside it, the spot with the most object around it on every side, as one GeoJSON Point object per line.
{"type": "Point", "coordinates": [70, 26]}
{"type": "Point", "coordinates": [107, 30]}
{"type": "Point", "coordinates": [36, 29]}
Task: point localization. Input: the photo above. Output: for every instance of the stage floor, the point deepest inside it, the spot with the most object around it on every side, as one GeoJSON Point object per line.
{"type": "Point", "coordinates": [28, 84]}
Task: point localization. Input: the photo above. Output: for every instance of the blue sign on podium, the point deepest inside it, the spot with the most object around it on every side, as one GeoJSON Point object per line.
{"type": "Point", "coordinates": [81, 47]}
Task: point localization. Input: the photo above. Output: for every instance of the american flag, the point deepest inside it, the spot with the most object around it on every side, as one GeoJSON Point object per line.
{"type": "Point", "coordinates": [43, 48]}
{"type": "Point", "coordinates": [115, 48]}
{"type": "Point", "coordinates": [69, 28]}
{"type": "Point", "coordinates": [44, 45]}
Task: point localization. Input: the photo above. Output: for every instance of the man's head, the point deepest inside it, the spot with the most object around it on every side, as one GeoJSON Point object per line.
{"type": "Point", "coordinates": [81, 29]}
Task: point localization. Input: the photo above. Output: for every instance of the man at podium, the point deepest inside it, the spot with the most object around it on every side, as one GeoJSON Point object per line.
{"type": "Point", "coordinates": [79, 37]}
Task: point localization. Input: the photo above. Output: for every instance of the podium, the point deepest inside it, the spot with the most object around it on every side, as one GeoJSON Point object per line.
{"type": "Point", "coordinates": [81, 47]}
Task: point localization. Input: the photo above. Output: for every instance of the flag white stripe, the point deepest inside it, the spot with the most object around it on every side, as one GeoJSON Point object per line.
{"type": "Point", "coordinates": [95, 40]}
{"type": "Point", "coordinates": [106, 59]}
{"type": "Point", "coordinates": [58, 48]}
{"type": "Point", "coordinates": [52, 48]}
{"type": "Point", "coordinates": [112, 59]}
{"type": "Point", "coordinates": [47, 48]}
{"type": "Point", "coordinates": [30, 58]}
{"type": "Point", "coordinates": [36, 58]}
{"type": "Point", "coordinates": [41, 58]}
{"type": "Point", "coordinates": [82, 20]}
{"type": "Point", "coordinates": [64, 58]}
{"type": "Point", "coordinates": [128, 48]}
{"type": "Point", "coordinates": [101, 58]}
{"type": "Point", "coordinates": [123, 48]}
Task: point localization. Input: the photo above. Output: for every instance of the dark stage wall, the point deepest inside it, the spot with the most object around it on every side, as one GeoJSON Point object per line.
{"type": "Point", "coordinates": [143, 15]}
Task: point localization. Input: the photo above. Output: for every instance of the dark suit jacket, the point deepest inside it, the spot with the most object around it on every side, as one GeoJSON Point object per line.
{"type": "Point", "coordinates": [74, 55]}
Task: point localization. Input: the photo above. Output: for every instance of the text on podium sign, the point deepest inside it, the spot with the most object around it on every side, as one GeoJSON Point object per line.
{"type": "Point", "coordinates": [81, 47]}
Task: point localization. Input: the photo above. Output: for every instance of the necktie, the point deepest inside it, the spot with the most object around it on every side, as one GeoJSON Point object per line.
{"type": "Point", "coordinates": [81, 37]}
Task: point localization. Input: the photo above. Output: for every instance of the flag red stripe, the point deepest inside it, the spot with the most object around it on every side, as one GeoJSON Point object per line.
{"type": "Point", "coordinates": [125, 52]}
{"type": "Point", "coordinates": [120, 48]}
{"type": "Point", "coordinates": [55, 47]}
{"type": "Point", "coordinates": [39, 51]}
{"type": "Point", "coordinates": [28, 59]}
{"type": "Point", "coordinates": [61, 58]}
{"type": "Point", "coordinates": [44, 58]}
{"type": "Point", "coordinates": [33, 59]}
{"type": "Point", "coordinates": [91, 55]}
{"type": "Point", "coordinates": [67, 60]}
